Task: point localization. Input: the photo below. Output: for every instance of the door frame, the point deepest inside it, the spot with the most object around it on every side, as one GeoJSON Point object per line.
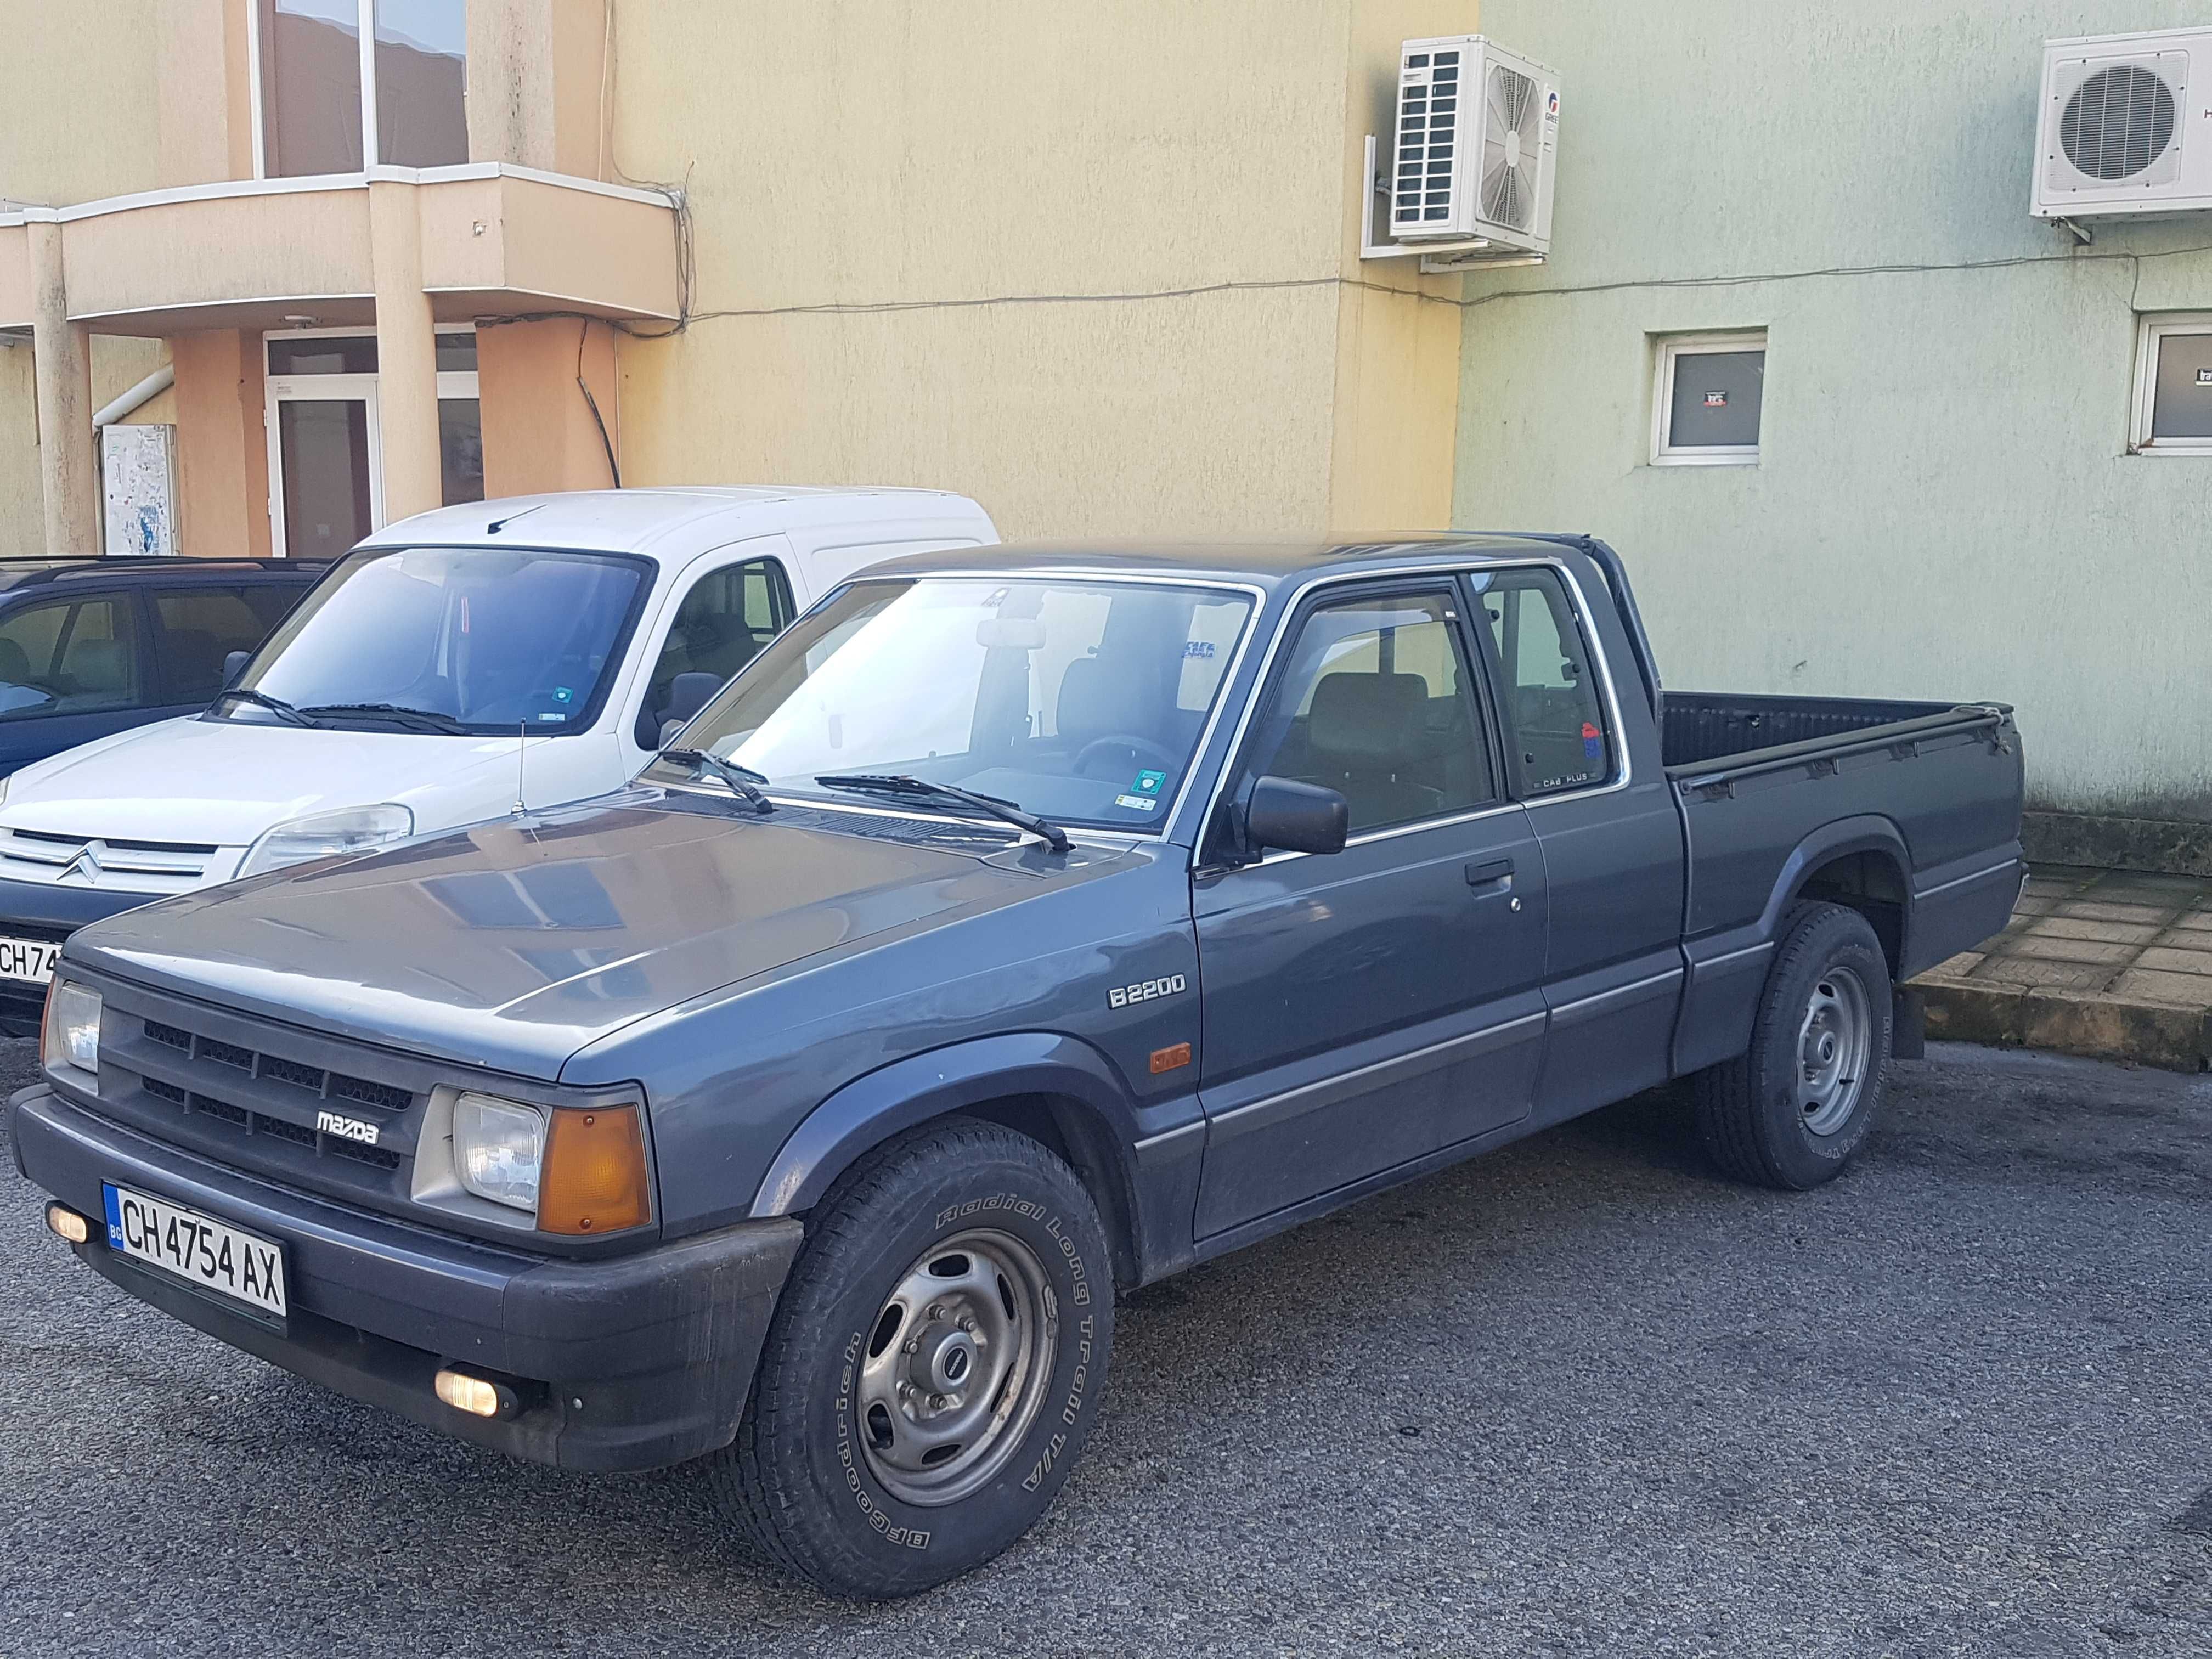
{"type": "Point", "coordinates": [341, 388]}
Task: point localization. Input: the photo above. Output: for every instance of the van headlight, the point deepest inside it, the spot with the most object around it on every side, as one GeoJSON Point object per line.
{"type": "Point", "coordinates": [499, 1146]}
{"type": "Point", "coordinates": [322, 834]}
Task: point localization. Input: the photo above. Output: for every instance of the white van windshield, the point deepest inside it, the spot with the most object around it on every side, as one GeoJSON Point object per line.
{"type": "Point", "coordinates": [1078, 699]}
{"type": "Point", "coordinates": [469, 640]}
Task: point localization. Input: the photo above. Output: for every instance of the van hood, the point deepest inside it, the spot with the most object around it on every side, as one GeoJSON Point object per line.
{"type": "Point", "coordinates": [222, 783]}
{"type": "Point", "coordinates": [514, 944]}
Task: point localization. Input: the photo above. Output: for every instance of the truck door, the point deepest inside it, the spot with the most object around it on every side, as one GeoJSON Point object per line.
{"type": "Point", "coordinates": [1587, 767]}
{"type": "Point", "coordinates": [1366, 1008]}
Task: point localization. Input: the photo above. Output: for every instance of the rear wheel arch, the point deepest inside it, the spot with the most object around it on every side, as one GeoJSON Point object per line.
{"type": "Point", "coordinates": [1861, 864]}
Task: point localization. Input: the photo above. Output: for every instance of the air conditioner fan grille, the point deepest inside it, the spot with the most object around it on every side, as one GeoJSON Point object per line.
{"type": "Point", "coordinates": [2118, 121]}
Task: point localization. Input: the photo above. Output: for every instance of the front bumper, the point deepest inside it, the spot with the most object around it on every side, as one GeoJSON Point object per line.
{"type": "Point", "coordinates": [43, 909]}
{"type": "Point", "coordinates": [627, 1362]}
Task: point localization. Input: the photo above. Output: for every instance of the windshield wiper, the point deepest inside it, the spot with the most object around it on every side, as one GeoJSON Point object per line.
{"type": "Point", "coordinates": [424, 720]}
{"type": "Point", "coordinates": [276, 706]}
{"type": "Point", "coordinates": [880, 783]}
{"type": "Point", "coordinates": [742, 779]}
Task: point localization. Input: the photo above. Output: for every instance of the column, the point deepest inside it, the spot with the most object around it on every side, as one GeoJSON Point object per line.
{"type": "Point", "coordinates": [406, 354]}
{"type": "Point", "coordinates": [61, 366]}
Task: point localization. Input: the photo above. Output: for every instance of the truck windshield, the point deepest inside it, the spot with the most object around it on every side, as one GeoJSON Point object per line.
{"type": "Point", "coordinates": [1078, 699]}
{"type": "Point", "coordinates": [482, 640]}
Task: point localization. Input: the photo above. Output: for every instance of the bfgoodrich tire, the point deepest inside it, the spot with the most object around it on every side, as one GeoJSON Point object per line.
{"type": "Point", "coordinates": [1791, 1110]}
{"type": "Point", "coordinates": [933, 1368]}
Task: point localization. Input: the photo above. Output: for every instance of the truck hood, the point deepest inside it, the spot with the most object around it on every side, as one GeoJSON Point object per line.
{"type": "Point", "coordinates": [514, 944]}
{"type": "Point", "coordinates": [222, 783]}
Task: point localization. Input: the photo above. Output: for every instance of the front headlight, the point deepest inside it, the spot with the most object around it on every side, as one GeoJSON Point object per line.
{"type": "Point", "coordinates": [71, 1035]}
{"type": "Point", "coordinates": [348, 830]}
{"type": "Point", "coordinates": [498, 1147]}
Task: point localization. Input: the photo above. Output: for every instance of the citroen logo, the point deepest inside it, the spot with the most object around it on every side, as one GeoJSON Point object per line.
{"type": "Point", "coordinates": [85, 866]}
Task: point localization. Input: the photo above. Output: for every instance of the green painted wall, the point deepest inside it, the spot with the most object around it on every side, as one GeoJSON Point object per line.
{"type": "Point", "coordinates": [1944, 505]}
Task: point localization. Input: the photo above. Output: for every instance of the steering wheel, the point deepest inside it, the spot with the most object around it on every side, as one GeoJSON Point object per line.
{"type": "Point", "coordinates": [1139, 748]}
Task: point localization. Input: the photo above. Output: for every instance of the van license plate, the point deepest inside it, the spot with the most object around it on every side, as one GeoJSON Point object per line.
{"type": "Point", "coordinates": [28, 959]}
{"type": "Point", "coordinates": [193, 1247]}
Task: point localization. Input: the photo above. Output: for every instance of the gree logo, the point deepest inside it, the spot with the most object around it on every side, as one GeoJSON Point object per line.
{"type": "Point", "coordinates": [1122, 995]}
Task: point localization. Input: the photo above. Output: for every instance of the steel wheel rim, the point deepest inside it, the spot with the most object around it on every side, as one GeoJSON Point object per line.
{"type": "Point", "coordinates": [956, 1367]}
{"type": "Point", "coordinates": [1834, 1044]}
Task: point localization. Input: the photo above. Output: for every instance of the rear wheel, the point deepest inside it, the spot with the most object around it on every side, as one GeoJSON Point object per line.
{"type": "Point", "coordinates": [1791, 1110]}
{"type": "Point", "coordinates": [933, 1368]}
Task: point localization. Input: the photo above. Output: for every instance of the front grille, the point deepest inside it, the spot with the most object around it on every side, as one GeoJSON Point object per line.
{"type": "Point", "coordinates": [200, 1085]}
{"type": "Point", "coordinates": [150, 867]}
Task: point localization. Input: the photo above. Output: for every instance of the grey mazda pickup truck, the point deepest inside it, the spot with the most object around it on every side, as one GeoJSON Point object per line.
{"type": "Point", "coordinates": [1023, 925]}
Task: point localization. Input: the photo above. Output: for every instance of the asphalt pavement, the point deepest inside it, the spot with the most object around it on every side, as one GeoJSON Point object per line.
{"type": "Point", "coordinates": [1581, 1396]}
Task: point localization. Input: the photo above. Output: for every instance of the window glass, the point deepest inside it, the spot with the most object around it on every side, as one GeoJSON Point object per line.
{"type": "Point", "coordinates": [422, 76]}
{"type": "Point", "coordinates": [197, 628]}
{"type": "Point", "coordinates": [1555, 726]}
{"type": "Point", "coordinates": [1373, 703]}
{"type": "Point", "coordinates": [460, 450]}
{"type": "Point", "coordinates": [1715, 401]}
{"type": "Point", "coordinates": [68, 657]}
{"type": "Point", "coordinates": [310, 86]}
{"type": "Point", "coordinates": [323, 354]}
{"type": "Point", "coordinates": [493, 638]}
{"type": "Point", "coordinates": [1071, 697]}
{"type": "Point", "coordinates": [724, 621]}
{"type": "Point", "coordinates": [2181, 399]}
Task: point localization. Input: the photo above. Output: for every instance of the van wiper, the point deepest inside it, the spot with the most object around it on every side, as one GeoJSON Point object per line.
{"type": "Point", "coordinates": [1006, 812]}
{"type": "Point", "coordinates": [422, 719]}
{"type": "Point", "coordinates": [277, 705]}
{"type": "Point", "coordinates": [742, 779]}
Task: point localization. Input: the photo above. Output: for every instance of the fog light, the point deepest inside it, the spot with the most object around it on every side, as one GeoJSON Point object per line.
{"type": "Point", "coordinates": [479, 1396]}
{"type": "Point", "coordinates": [66, 1224]}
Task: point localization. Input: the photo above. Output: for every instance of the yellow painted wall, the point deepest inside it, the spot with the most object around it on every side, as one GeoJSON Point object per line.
{"type": "Point", "coordinates": [1020, 200]}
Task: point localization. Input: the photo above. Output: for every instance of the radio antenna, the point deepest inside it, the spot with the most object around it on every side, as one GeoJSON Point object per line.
{"type": "Point", "coordinates": [521, 741]}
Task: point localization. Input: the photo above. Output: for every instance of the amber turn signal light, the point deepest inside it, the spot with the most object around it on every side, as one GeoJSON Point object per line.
{"type": "Point", "coordinates": [593, 1180]}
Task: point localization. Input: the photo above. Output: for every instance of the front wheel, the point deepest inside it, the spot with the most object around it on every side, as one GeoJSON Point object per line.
{"type": "Point", "coordinates": [933, 1368]}
{"type": "Point", "coordinates": [1791, 1109]}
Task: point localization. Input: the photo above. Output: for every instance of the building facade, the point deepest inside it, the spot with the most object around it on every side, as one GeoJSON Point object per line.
{"type": "Point", "coordinates": [1089, 264]}
{"type": "Point", "coordinates": [1944, 488]}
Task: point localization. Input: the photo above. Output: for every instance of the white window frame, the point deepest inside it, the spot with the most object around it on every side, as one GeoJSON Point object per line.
{"type": "Point", "coordinates": [2149, 337]}
{"type": "Point", "coordinates": [1671, 349]}
{"type": "Point", "coordinates": [365, 21]}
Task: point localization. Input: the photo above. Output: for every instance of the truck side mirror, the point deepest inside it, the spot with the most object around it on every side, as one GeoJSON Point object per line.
{"type": "Point", "coordinates": [234, 664]}
{"type": "Point", "coordinates": [1296, 818]}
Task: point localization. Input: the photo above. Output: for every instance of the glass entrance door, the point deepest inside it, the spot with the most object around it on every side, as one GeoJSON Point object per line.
{"type": "Point", "coordinates": [326, 469]}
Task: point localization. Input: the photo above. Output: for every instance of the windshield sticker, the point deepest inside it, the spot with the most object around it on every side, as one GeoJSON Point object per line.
{"type": "Point", "coordinates": [1148, 783]}
{"type": "Point", "coordinates": [561, 694]}
{"type": "Point", "coordinates": [552, 717]}
{"type": "Point", "coordinates": [1136, 803]}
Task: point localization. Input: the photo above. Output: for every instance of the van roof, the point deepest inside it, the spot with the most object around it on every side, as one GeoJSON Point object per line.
{"type": "Point", "coordinates": [665, 520]}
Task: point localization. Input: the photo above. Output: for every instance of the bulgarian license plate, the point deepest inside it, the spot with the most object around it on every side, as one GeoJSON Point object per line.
{"type": "Point", "coordinates": [28, 959]}
{"type": "Point", "coordinates": [196, 1249]}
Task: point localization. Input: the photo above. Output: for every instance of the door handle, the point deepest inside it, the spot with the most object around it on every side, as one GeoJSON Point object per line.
{"type": "Point", "coordinates": [1490, 872]}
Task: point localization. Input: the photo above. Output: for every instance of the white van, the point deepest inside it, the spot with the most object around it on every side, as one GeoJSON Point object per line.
{"type": "Point", "coordinates": [533, 647]}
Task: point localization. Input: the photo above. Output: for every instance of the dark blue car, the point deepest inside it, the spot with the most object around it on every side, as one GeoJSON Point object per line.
{"type": "Point", "coordinates": [92, 646]}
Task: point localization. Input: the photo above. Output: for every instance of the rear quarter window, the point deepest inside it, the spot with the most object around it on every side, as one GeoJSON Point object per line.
{"type": "Point", "coordinates": [1556, 736]}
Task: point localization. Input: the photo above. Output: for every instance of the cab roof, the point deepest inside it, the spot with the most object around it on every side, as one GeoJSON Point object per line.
{"type": "Point", "coordinates": [653, 520]}
{"type": "Point", "coordinates": [1270, 564]}
{"type": "Point", "coordinates": [38, 572]}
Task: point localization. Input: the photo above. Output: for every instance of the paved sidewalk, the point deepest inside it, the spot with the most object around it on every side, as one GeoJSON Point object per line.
{"type": "Point", "coordinates": [2113, 963]}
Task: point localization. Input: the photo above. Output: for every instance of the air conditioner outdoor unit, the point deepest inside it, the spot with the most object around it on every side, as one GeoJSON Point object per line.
{"type": "Point", "coordinates": [1476, 142]}
{"type": "Point", "coordinates": [2125, 126]}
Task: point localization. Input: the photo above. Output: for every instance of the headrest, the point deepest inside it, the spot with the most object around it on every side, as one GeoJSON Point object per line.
{"type": "Point", "coordinates": [1369, 721]}
{"type": "Point", "coordinates": [1090, 704]}
{"type": "Point", "coordinates": [15, 666]}
{"type": "Point", "coordinates": [100, 665]}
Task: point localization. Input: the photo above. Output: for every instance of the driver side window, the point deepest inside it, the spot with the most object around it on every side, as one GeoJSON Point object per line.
{"type": "Point", "coordinates": [720, 626]}
{"type": "Point", "coordinates": [1373, 703]}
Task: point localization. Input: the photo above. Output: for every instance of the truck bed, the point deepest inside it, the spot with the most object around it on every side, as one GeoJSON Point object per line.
{"type": "Point", "coordinates": [1700, 727]}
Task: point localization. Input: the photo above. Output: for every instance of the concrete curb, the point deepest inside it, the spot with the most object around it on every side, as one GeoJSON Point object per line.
{"type": "Point", "coordinates": [2101, 1027]}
